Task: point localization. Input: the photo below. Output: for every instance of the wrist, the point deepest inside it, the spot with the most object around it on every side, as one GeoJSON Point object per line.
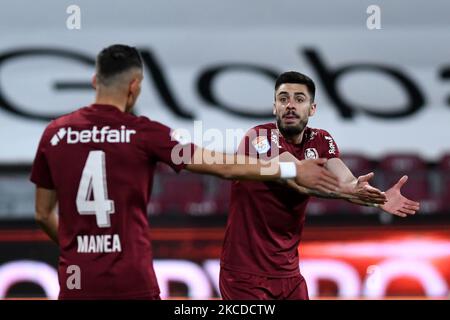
{"type": "Point", "coordinates": [351, 187]}
{"type": "Point", "coordinates": [288, 170]}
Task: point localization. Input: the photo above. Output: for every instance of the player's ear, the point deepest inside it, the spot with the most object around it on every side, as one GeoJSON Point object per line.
{"type": "Point", "coordinates": [274, 109]}
{"type": "Point", "coordinates": [94, 81]}
{"type": "Point", "coordinates": [312, 109]}
{"type": "Point", "coordinates": [134, 85]}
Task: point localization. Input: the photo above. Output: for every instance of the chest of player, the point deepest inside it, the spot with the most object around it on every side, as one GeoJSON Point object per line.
{"type": "Point", "coordinates": [307, 149]}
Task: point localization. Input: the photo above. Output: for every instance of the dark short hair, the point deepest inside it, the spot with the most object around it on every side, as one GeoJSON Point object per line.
{"type": "Point", "coordinates": [296, 77]}
{"type": "Point", "coordinates": [116, 59]}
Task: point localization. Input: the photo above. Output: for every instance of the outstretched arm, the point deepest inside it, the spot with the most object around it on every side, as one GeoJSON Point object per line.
{"type": "Point", "coordinates": [349, 186]}
{"type": "Point", "coordinates": [309, 173]}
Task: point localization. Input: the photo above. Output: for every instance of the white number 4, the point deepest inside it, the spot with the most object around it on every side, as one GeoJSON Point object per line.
{"type": "Point", "coordinates": [93, 182]}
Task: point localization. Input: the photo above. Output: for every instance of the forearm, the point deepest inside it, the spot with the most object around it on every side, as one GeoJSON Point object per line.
{"type": "Point", "coordinates": [364, 203]}
{"type": "Point", "coordinates": [232, 166]}
{"type": "Point", "coordinates": [247, 168]}
{"type": "Point", "coordinates": [343, 173]}
{"type": "Point", "coordinates": [316, 193]}
{"type": "Point", "coordinates": [308, 173]}
{"type": "Point", "coordinates": [331, 195]}
{"type": "Point", "coordinates": [334, 165]}
{"type": "Point", "coordinates": [49, 224]}
{"type": "Point", "coordinates": [46, 215]}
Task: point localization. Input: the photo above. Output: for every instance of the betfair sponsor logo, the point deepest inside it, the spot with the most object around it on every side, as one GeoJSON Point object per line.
{"type": "Point", "coordinates": [95, 135]}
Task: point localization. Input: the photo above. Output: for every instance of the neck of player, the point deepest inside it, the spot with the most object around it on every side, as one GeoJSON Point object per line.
{"type": "Point", "coordinates": [115, 100]}
{"type": "Point", "coordinates": [292, 138]}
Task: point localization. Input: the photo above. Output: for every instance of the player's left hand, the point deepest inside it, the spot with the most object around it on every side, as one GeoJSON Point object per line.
{"type": "Point", "coordinates": [396, 203]}
{"type": "Point", "coordinates": [362, 190]}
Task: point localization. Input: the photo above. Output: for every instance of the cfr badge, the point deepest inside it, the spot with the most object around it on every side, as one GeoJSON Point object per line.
{"type": "Point", "coordinates": [261, 144]}
{"type": "Point", "coordinates": [311, 153]}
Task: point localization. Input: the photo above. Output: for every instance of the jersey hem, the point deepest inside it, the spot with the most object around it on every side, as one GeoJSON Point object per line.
{"type": "Point", "coordinates": [134, 295]}
{"type": "Point", "coordinates": [276, 274]}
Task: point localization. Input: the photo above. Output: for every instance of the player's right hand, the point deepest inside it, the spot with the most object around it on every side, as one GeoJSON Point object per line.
{"type": "Point", "coordinates": [313, 175]}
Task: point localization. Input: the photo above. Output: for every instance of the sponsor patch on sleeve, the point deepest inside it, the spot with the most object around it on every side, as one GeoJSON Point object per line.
{"type": "Point", "coordinates": [331, 146]}
{"type": "Point", "coordinates": [261, 144]}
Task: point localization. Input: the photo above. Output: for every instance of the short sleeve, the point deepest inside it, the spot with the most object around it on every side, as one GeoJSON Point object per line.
{"type": "Point", "coordinates": [245, 147]}
{"type": "Point", "coordinates": [40, 171]}
{"type": "Point", "coordinates": [166, 145]}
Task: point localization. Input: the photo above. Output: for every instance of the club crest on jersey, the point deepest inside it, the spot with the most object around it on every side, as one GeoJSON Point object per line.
{"type": "Point", "coordinates": [261, 144]}
{"type": "Point", "coordinates": [311, 153]}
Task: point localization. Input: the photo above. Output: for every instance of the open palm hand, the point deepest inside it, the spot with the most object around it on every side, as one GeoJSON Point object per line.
{"type": "Point", "coordinates": [396, 203]}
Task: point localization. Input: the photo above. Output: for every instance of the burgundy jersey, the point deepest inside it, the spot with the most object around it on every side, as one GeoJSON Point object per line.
{"type": "Point", "coordinates": [101, 162]}
{"type": "Point", "coordinates": [266, 219]}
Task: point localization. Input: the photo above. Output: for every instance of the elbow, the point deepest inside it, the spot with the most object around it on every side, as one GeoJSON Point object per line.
{"type": "Point", "coordinates": [38, 217]}
{"type": "Point", "coordinates": [41, 218]}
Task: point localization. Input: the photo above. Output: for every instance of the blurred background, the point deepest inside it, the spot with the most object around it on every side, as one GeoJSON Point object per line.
{"type": "Point", "coordinates": [382, 71]}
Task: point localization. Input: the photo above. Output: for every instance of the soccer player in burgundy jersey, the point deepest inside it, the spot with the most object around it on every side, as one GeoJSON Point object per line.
{"type": "Point", "coordinates": [260, 251]}
{"type": "Point", "coordinates": [97, 164]}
